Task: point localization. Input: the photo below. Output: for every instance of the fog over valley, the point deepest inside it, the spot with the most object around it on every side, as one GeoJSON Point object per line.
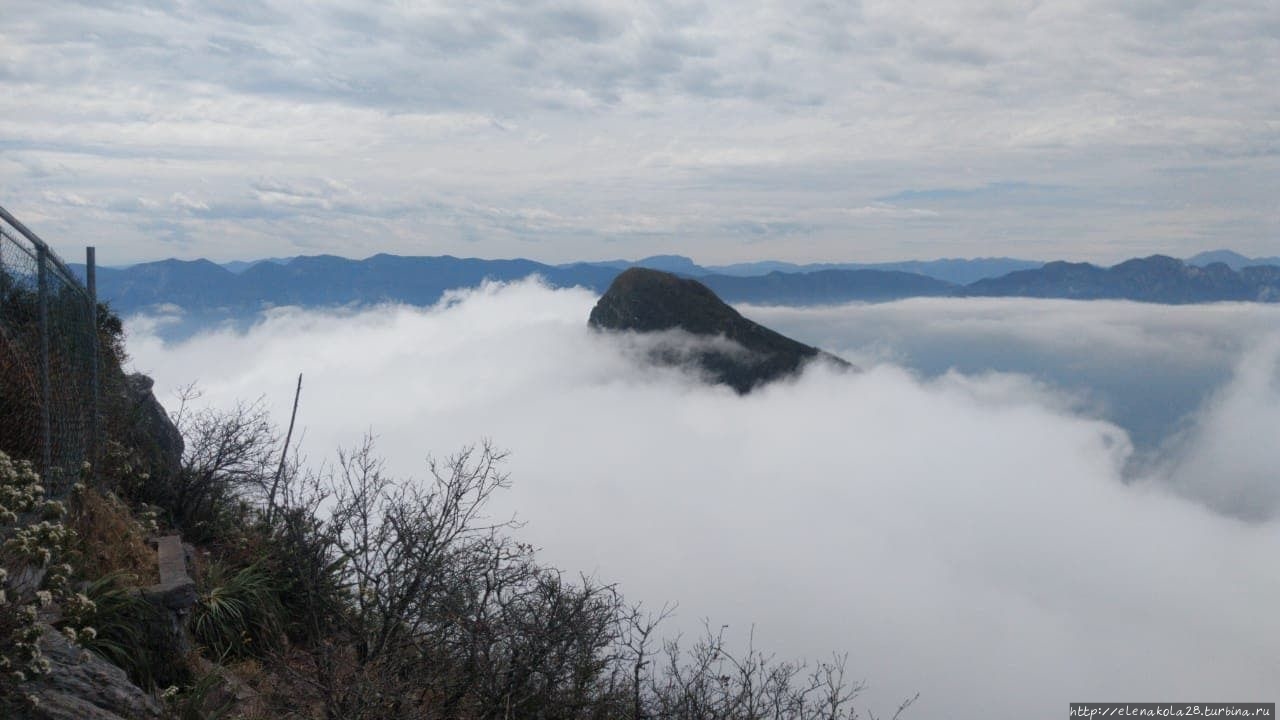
{"type": "Point", "coordinates": [675, 360]}
{"type": "Point", "coordinates": [1014, 505]}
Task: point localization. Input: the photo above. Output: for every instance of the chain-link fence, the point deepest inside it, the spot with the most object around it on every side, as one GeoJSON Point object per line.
{"type": "Point", "coordinates": [48, 358]}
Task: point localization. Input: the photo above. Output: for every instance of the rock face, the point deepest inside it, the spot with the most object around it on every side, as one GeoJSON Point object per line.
{"type": "Point", "coordinates": [644, 300]}
{"type": "Point", "coordinates": [151, 430]}
{"type": "Point", "coordinates": [83, 686]}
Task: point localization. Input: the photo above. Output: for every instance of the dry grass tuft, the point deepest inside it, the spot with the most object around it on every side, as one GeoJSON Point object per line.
{"type": "Point", "coordinates": [110, 539]}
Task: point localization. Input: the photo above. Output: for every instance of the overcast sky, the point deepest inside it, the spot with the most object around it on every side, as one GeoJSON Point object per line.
{"type": "Point", "coordinates": [720, 129]}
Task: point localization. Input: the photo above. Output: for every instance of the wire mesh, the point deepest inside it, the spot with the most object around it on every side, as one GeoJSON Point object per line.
{"type": "Point", "coordinates": [48, 334]}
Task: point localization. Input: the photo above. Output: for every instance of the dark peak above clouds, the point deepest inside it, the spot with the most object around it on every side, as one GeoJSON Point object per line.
{"type": "Point", "coordinates": [647, 300]}
{"type": "Point", "coordinates": [644, 300]}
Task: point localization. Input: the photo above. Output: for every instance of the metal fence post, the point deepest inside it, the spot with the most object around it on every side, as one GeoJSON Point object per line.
{"type": "Point", "coordinates": [91, 276]}
{"type": "Point", "coordinates": [46, 388]}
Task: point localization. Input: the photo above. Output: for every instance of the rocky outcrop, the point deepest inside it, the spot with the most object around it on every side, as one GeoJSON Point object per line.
{"type": "Point", "coordinates": [151, 430]}
{"type": "Point", "coordinates": [644, 300]}
{"type": "Point", "coordinates": [83, 686]}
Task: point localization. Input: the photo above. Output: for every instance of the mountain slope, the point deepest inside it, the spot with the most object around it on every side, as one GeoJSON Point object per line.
{"type": "Point", "coordinates": [1158, 279]}
{"type": "Point", "coordinates": [643, 300]}
{"type": "Point", "coordinates": [960, 271]}
{"type": "Point", "coordinates": [210, 293]}
{"type": "Point", "coordinates": [950, 270]}
{"type": "Point", "coordinates": [326, 280]}
{"type": "Point", "coordinates": [1230, 258]}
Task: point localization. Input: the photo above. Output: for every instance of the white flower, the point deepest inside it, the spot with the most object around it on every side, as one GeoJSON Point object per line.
{"type": "Point", "coordinates": [45, 598]}
{"type": "Point", "coordinates": [82, 603]}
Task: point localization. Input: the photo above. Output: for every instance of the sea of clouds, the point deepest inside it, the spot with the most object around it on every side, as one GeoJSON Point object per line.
{"type": "Point", "coordinates": [1017, 504]}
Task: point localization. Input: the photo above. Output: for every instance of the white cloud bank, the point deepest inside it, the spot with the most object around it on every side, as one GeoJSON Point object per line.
{"type": "Point", "coordinates": [969, 537]}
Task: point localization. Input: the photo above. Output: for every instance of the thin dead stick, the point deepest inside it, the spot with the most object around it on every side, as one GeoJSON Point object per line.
{"type": "Point", "coordinates": [284, 453]}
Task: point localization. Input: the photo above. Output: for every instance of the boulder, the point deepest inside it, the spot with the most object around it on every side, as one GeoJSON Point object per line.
{"type": "Point", "coordinates": [83, 686]}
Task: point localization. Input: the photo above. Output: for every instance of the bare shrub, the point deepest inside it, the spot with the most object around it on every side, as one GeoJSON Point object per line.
{"type": "Point", "coordinates": [227, 464]}
{"type": "Point", "coordinates": [404, 599]}
{"type": "Point", "coordinates": [441, 614]}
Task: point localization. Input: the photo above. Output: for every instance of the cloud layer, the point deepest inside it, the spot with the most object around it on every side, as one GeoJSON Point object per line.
{"type": "Point", "coordinates": [580, 130]}
{"type": "Point", "coordinates": [1148, 368]}
{"type": "Point", "coordinates": [973, 537]}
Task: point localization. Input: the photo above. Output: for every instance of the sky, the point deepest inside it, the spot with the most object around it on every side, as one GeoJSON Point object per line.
{"type": "Point", "coordinates": [977, 532]}
{"type": "Point", "coordinates": [564, 130]}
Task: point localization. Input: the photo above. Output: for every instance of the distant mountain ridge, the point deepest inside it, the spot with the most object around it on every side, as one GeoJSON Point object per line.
{"type": "Point", "coordinates": [959, 271]}
{"type": "Point", "coordinates": [324, 280]}
{"type": "Point", "coordinates": [1155, 279]}
{"type": "Point", "coordinates": [1231, 259]}
{"type": "Point", "coordinates": [239, 266]}
{"type": "Point", "coordinates": [209, 292]}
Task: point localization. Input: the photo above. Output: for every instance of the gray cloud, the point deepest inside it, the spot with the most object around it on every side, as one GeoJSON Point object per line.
{"type": "Point", "coordinates": [978, 537]}
{"type": "Point", "coordinates": [1148, 368]}
{"type": "Point", "coordinates": [697, 115]}
{"type": "Point", "coordinates": [992, 193]}
{"type": "Point", "coordinates": [1223, 458]}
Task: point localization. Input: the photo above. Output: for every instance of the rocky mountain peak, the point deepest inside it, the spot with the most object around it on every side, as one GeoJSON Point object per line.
{"type": "Point", "coordinates": [643, 300]}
